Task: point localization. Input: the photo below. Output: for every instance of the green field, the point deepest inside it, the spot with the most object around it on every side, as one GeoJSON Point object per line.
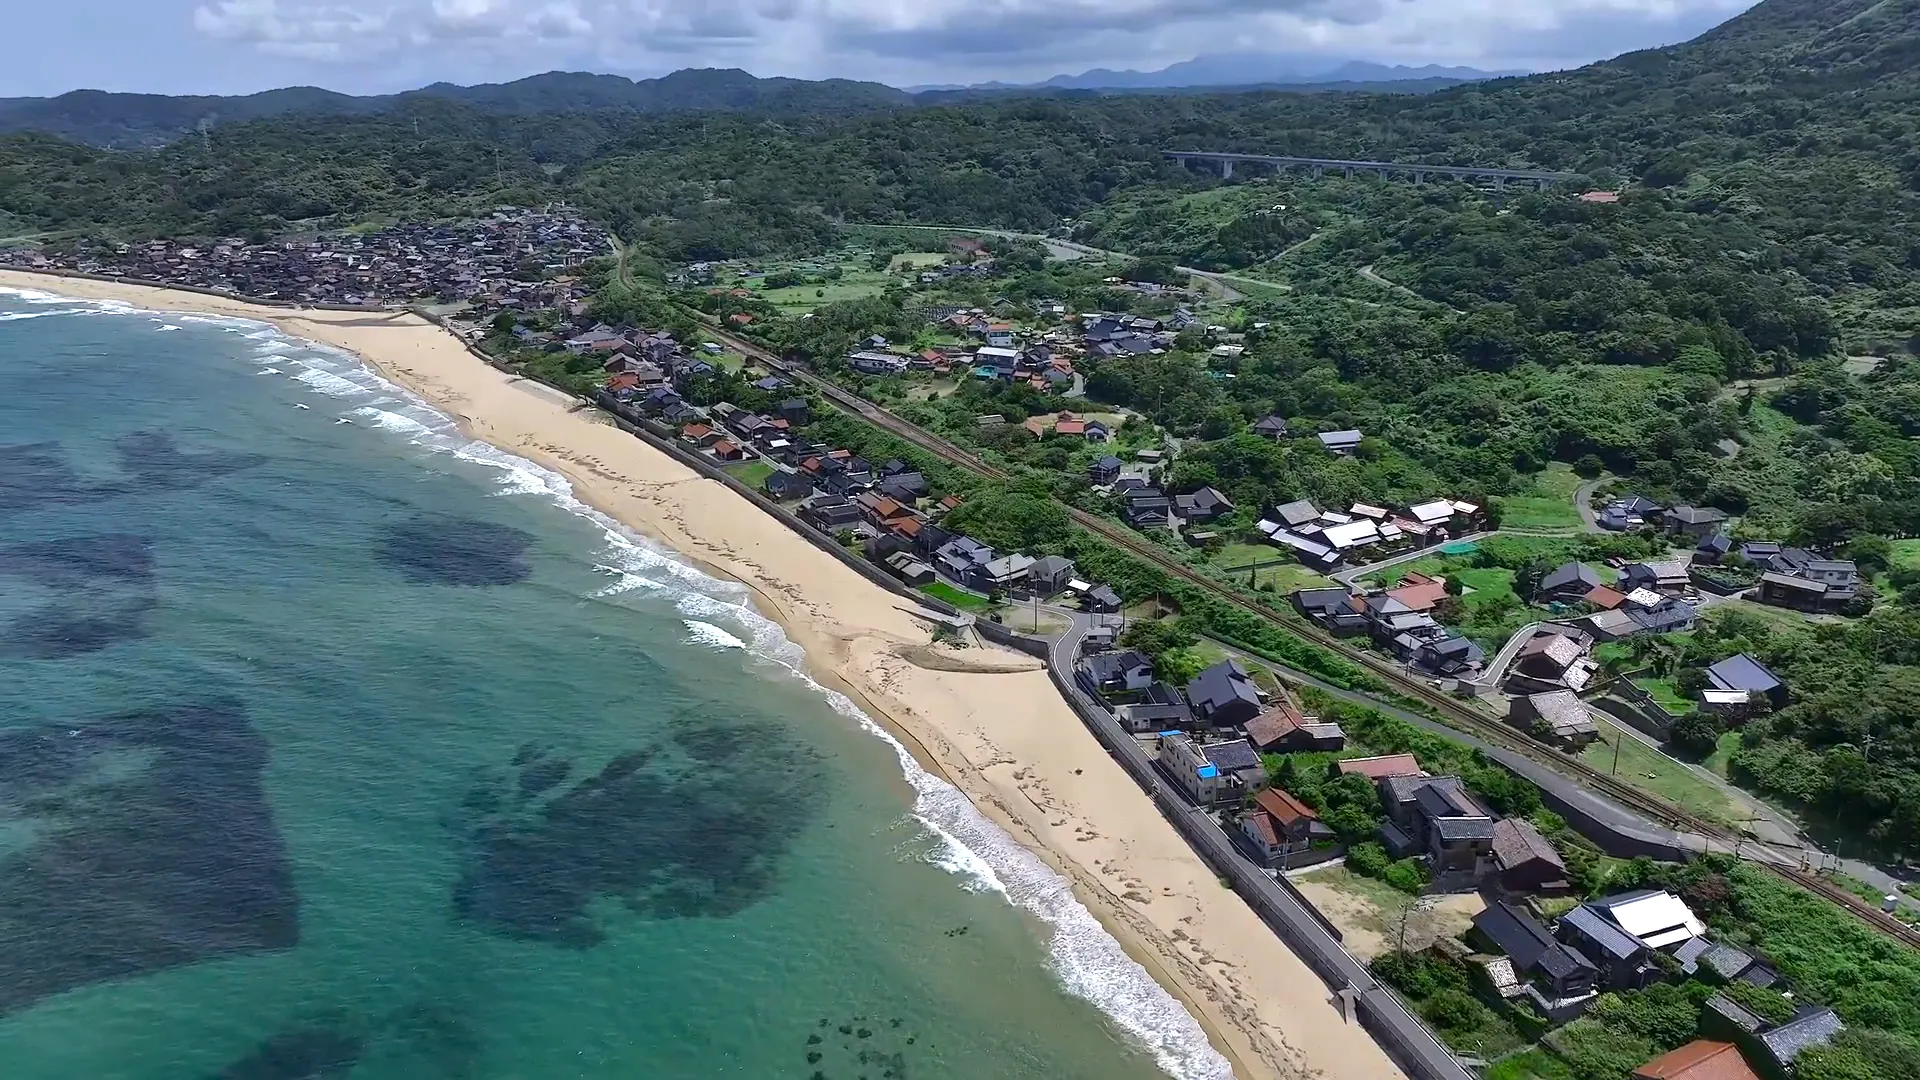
{"type": "Point", "coordinates": [752, 473]}
{"type": "Point", "coordinates": [1535, 1064]}
{"type": "Point", "coordinates": [917, 260]}
{"type": "Point", "coordinates": [1720, 762]}
{"type": "Point", "coordinates": [1546, 504]}
{"type": "Point", "coordinates": [1484, 586]}
{"type": "Point", "coordinates": [1665, 693]}
{"type": "Point", "coordinates": [1651, 770]}
{"type": "Point", "coordinates": [965, 601]}
{"type": "Point", "coordinates": [1906, 554]}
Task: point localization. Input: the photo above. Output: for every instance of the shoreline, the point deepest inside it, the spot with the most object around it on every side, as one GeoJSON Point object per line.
{"type": "Point", "coordinates": [1006, 741]}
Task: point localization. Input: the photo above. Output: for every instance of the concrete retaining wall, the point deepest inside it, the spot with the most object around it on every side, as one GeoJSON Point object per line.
{"type": "Point", "coordinates": [202, 290]}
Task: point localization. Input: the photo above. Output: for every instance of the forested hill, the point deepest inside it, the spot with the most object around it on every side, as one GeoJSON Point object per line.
{"type": "Point", "coordinates": [1770, 171]}
{"type": "Point", "coordinates": [126, 121]}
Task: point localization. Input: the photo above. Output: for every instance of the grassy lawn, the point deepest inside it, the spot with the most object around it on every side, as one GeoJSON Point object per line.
{"type": "Point", "coordinates": [1665, 693]}
{"type": "Point", "coordinates": [728, 360]}
{"type": "Point", "coordinates": [917, 260]}
{"type": "Point", "coordinates": [1547, 503]}
{"type": "Point", "coordinates": [965, 601]}
{"type": "Point", "coordinates": [1287, 577]}
{"type": "Point", "coordinates": [1484, 586]}
{"type": "Point", "coordinates": [805, 298]}
{"type": "Point", "coordinates": [1608, 652]}
{"type": "Point", "coordinates": [1651, 770]}
{"type": "Point", "coordinates": [1720, 762]}
{"type": "Point", "coordinates": [1906, 554]}
{"type": "Point", "coordinates": [752, 473]}
{"type": "Point", "coordinates": [1535, 1064]}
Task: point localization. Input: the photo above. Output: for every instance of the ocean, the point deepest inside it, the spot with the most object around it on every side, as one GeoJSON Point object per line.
{"type": "Point", "coordinates": [334, 744]}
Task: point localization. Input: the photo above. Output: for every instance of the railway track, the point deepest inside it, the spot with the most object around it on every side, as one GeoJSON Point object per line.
{"type": "Point", "coordinates": [1452, 712]}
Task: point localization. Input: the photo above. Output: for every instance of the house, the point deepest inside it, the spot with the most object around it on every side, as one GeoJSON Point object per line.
{"type": "Point", "coordinates": [1451, 656]}
{"type": "Point", "coordinates": [1213, 772]}
{"type": "Point", "coordinates": [1343, 443]}
{"type": "Point", "coordinates": [876, 363]}
{"type": "Point", "coordinates": [1668, 577]}
{"type": "Point", "coordinates": [1160, 707]}
{"type": "Point", "coordinates": [1049, 576]}
{"type": "Point", "coordinates": [1435, 815]}
{"type": "Point", "coordinates": [1559, 717]}
{"type": "Point", "coordinates": [1604, 598]}
{"type": "Point", "coordinates": [1097, 432]}
{"type": "Point", "coordinates": [1560, 981]}
{"type": "Point", "coordinates": [1627, 512]}
{"type": "Point", "coordinates": [1378, 768]}
{"type": "Point", "coordinates": [1746, 675]}
{"type": "Point", "coordinates": [961, 558]}
{"type": "Point", "coordinates": [1669, 616]}
{"type": "Point", "coordinates": [830, 513]}
{"type": "Point", "coordinates": [1279, 827]}
{"type": "Point", "coordinates": [1525, 861]}
{"type": "Point", "coordinates": [1104, 471]}
{"type": "Point", "coordinates": [1694, 522]}
{"type": "Point", "coordinates": [1656, 917]}
{"type": "Point", "coordinates": [1203, 506]}
{"type": "Point", "coordinates": [1421, 595]}
{"type": "Point", "coordinates": [1816, 1027]}
{"type": "Point", "coordinates": [699, 434]}
{"type": "Point", "coordinates": [794, 411]}
{"type": "Point", "coordinates": [1625, 961]}
{"type": "Point", "coordinates": [1116, 673]}
{"type": "Point", "coordinates": [728, 450]}
{"type": "Point", "coordinates": [909, 569]}
{"type": "Point", "coordinates": [1101, 599]}
{"type": "Point", "coordinates": [1551, 660]}
{"type": "Point", "coordinates": [784, 486]}
{"type": "Point", "coordinates": [1338, 610]}
{"type": "Point", "coordinates": [1148, 508]}
{"type": "Point", "coordinates": [1701, 1059]}
{"type": "Point", "coordinates": [1283, 730]}
{"type": "Point", "coordinates": [1270, 427]}
{"type": "Point", "coordinates": [1568, 583]}
{"type": "Point", "coordinates": [1297, 514]}
{"type": "Point", "coordinates": [906, 488]}
{"type": "Point", "coordinates": [1713, 548]}
{"type": "Point", "coordinates": [1815, 585]}
{"type": "Point", "coordinates": [1003, 573]}
{"type": "Point", "coordinates": [1224, 696]}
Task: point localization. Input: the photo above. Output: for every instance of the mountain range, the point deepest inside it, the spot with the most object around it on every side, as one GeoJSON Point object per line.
{"type": "Point", "coordinates": [1249, 69]}
{"type": "Point", "coordinates": [128, 121]}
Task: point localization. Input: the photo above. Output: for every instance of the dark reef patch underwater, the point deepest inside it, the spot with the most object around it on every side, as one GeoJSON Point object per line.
{"type": "Point", "coordinates": [155, 848]}
{"type": "Point", "coordinates": [691, 828]}
{"type": "Point", "coordinates": [456, 551]}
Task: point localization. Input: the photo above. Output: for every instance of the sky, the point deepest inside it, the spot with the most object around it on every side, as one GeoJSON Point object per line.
{"type": "Point", "coordinates": [381, 46]}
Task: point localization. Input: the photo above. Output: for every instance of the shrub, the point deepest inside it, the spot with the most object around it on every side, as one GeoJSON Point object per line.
{"type": "Point", "coordinates": [1407, 875]}
{"type": "Point", "coordinates": [1369, 859]}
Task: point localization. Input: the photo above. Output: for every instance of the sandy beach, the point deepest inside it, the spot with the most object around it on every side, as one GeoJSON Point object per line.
{"type": "Point", "coordinates": [1002, 735]}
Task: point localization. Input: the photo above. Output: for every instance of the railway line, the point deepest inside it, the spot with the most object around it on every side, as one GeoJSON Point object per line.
{"type": "Point", "coordinates": [1450, 711]}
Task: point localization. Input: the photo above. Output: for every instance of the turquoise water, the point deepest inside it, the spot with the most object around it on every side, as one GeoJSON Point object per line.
{"type": "Point", "coordinates": [361, 750]}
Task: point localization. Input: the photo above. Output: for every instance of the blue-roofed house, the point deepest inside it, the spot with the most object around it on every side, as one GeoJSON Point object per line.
{"type": "Point", "coordinates": [1560, 981]}
{"type": "Point", "coordinates": [1211, 773]}
{"type": "Point", "coordinates": [1741, 672]}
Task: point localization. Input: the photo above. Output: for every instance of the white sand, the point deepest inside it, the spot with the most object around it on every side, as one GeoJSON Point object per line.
{"type": "Point", "coordinates": [1005, 738]}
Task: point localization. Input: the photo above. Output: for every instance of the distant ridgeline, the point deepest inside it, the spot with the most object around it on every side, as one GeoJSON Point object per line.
{"type": "Point", "coordinates": [1768, 169]}
{"type": "Point", "coordinates": [131, 121]}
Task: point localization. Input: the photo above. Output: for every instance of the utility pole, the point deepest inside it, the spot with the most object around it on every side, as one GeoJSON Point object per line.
{"type": "Point", "coordinates": [1617, 736]}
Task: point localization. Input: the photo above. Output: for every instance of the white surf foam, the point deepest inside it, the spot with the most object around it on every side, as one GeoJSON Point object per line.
{"type": "Point", "coordinates": [705, 633]}
{"type": "Point", "coordinates": [164, 327]}
{"type": "Point", "coordinates": [15, 316]}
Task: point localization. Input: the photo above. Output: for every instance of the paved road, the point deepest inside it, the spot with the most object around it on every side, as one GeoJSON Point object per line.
{"type": "Point", "coordinates": [1583, 503]}
{"type": "Point", "coordinates": [1370, 274]}
{"type": "Point", "coordinates": [1355, 573]}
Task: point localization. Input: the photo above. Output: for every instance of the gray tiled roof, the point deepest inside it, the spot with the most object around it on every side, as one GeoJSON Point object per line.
{"type": "Point", "coordinates": [1734, 1012]}
{"type": "Point", "coordinates": [1814, 1029]}
{"type": "Point", "coordinates": [1600, 930]}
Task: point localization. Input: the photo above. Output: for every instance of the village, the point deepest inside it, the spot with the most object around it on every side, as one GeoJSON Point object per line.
{"type": "Point", "coordinates": [510, 259]}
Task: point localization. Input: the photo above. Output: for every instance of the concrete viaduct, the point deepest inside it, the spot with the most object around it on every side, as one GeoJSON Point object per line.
{"type": "Point", "coordinates": [1383, 169]}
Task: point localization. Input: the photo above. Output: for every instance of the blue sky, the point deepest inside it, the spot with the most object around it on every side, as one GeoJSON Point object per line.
{"type": "Point", "coordinates": [377, 46]}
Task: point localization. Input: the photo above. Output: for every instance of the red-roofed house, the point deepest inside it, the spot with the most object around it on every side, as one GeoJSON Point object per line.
{"type": "Point", "coordinates": [1600, 197]}
{"type": "Point", "coordinates": [698, 434]}
{"type": "Point", "coordinates": [1379, 768]}
{"type": "Point", "coordinates": [1604, 598]}
{"type": "Point", "coordinates": [1422, 596]}
{"type": "Point", "coordinates": [1701, 1059]}
{"type": "Point", "coordinates": [1278, 827]}
{"type": "Point", "coordinates": [727, 450]}
{"type": "Point", "coordinates": [1071, 425]}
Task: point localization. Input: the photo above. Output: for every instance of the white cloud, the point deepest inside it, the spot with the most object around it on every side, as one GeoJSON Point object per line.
{"type": "Point", "coordinates": [908, 41]}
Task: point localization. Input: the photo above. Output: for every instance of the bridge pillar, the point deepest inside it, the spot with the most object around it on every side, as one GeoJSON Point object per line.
{"type": "Point", "coordinates": [1499, 183]}
{"type": "Point", "coordinates": [1382, 173]}
{"type": "Point", "coordinates": [1319, 171]}
{"type": "Point", "coordinates": [1419, 177]}
{"type": "Point", "coordinates": [1226, 168]}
